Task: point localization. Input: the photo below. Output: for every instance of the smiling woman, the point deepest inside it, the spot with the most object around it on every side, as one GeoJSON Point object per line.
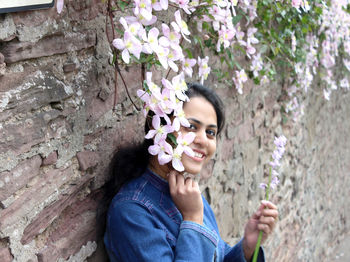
{"type": "Point", "coordinates": [157, 214]}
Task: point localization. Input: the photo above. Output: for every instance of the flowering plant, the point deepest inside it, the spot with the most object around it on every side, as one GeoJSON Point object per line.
{"type": "Point", "coordinates": [298, 38]}
{"type": "Point", "coordinates": [280, 143]}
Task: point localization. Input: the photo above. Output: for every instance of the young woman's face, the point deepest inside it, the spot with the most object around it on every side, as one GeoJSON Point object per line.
{"type": "Point", "coordinates": [203, 122]}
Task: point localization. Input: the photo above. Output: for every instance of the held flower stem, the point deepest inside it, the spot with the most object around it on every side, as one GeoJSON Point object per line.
{"type": "Point", "coordinates": [257, 247]}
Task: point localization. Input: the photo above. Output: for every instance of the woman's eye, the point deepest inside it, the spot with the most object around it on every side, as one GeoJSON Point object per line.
{"type": "Point", "coordinates": [211, 133]}
{"type": "Point", "coordinates": [192, 127]}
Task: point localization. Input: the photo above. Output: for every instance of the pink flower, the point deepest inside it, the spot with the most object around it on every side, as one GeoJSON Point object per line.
{"type": "Point", "coordinates": [225, 36]}
{"type": "Point", "coordinates": [204, 69]}
{"type": "Point", "coordinates": [151, 40]}
{"type": "Point", "coordinates": [167, 102]}
{"type": "Point", "coordinates": [141, 19]}
{"type": "Point", "coordinates": [143, 8]}
{"type": "Point", "coordinates": [159, 5]}
{"type": "Point", "coordinates": [176, 159]}
{"type": "Point", "coordinates": [296, 3]}
{"type": "Point", "coordinates": [187, 64]}
{"type": "Point", "coordinates": [182, 4]}
{"type": "Point", "coordinates": [172, 38]}
{"type": "Point", "coordinates": [151, 102]}
{"type": "Point", "coordinates": [177, 85]}
{"type": "Point", "coordinates": [184, 141]}
{"type": "Point", "coordinates": [130, 44]}
{"type": "Point", "coordinates": [180, 117]}
{"type": "Point", "coordinates": [162, 54]}
{"type": "Point", "coordinates": [163, 150]}
{"type": "Point", "coordinates": [180, 26]}
{"type": "Point", "coordinates": [135, 27]}
{"type": "Point", "coordinates": [159, 132]}
{"type": "Point", "coordinates": [59, 6]}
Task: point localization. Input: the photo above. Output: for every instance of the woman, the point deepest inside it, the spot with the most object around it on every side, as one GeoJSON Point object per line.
{"type": "Point", "coordinates": [158, 215]}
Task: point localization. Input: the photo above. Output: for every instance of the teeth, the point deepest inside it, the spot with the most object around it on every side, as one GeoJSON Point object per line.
{"type": "Point", "coordinates": [199, 155]}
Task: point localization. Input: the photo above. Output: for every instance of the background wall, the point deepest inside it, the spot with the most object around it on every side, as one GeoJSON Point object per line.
{"type": "Point", "coordinates": [58, 131]}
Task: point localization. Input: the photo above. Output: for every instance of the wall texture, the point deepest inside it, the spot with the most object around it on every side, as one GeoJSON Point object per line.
{"type": "Point", "coordinates": [58, 131]}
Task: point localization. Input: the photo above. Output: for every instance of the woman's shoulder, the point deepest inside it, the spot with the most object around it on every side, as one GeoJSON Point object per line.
{"type": "Point", "coordinates": [145, 190]}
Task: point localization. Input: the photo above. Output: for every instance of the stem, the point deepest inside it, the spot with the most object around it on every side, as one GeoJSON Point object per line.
{"type": "Point", "coordinates": [257, 247]}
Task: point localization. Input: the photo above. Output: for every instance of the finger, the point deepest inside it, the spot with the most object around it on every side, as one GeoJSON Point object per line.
{"type": "Point", "coordinates": [195, 184]}
{"type": "Point", "coordinates": [265, 228]}
{"type": "Point", "coordinates": [268, 204]}
{"type": "Point", "coordinates": [258, 213]}
{"type": "Point", "coordinates": [172, 179]}
{"type": "Point", "coordinates": [180, 180]}
{"type": "Point", "coordinates": [188, 181]}
{"type": "Point", "coordinates": [270, 213]}
{"type": "Point", "coordinates": [270, 221]}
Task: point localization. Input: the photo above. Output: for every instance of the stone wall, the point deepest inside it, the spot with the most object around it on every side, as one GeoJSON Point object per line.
{"type": "Point", "coordinates": [58, 130]}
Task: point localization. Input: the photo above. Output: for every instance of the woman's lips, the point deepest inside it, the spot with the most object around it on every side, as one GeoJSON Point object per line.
{"type": "Point", "coordinates": [198, 155]}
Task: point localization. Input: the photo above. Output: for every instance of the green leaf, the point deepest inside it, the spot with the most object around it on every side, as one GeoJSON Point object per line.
{"type": "Point", "coordinates": [198, 40]}
{"type": "Point", "coordinates": [172, 138]}
{"type": "Point", "coordinates": [236, 19]}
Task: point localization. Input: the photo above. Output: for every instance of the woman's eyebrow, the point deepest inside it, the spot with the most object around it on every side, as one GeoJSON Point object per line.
{"type": "Point", "coordinates": [200, 123]}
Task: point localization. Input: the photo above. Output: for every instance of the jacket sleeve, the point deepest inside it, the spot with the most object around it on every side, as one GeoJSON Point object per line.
{"type": "Point", "coordinates": [134, 234]}
{"type": "Point", "coordinates": [236, 254]}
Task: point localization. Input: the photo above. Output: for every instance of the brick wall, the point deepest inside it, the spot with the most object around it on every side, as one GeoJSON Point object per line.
{"type": "Point", "coordinates": [58, 131]}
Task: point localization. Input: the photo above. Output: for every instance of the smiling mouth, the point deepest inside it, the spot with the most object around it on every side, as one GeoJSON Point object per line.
{"type": "Point", "coordinates": [198, 155]}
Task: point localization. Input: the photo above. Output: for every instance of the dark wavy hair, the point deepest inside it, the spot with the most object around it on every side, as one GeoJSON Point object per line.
{"type": "Point", "coordinates": [130, 161]}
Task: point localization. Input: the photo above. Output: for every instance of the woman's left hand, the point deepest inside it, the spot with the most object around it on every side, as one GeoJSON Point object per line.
{"type": "Point", "coordinates": [263, 219]}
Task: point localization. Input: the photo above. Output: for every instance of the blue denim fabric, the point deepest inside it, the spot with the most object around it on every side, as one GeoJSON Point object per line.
{"type": "Point", "coordinates": [143, 224]}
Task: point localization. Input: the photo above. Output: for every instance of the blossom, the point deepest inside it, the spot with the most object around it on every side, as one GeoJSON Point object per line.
{"type": "Point", "coordinates": [187, 64]}
{"type": "Point", "coordinates": [159, 132]}
{"type": "Point", "coordinates": [326, 93]}
{"type": "Point", "coordinates": [155, 90]}
{"type": "Point", "coordinates": [280, 143]}
{"type": "Point", "coordinates": [134, 27]}
{"type": "Point", "coordinates": [59, 6]}
{"type": "Point", "coordinates": [256, 65]}
{"type": "Point", "coordinates": [177, 85]}
{"type": "Point", "coordinates": [296, 3]}
{"type": "Point", "coordinates": [344, 83]}
{"type": "Point", "coordinates": [277, 154]}
{"type": "Point", "coordinates": [172, 38]}
{"type": "Point", "coordinates": [168, 101]}
{"type": "Point", "coordinates": [184, 141]}
{"type": "Point", "coordinates": [163, 150]}
{"type": "Point", "coordinates": [151, 40]}
{"type": "Point", "coordinates": [241, 77]}
{"type": "Point", "coordinates": [179, 117]}
{"type": "Point", "coordinates": [159, 5]}
{"type": "Point", "coordinates": [143, 8]}
{"type": "Point", "coordinates": [176, 159]}
{"type": "Point", "coordinates": [162, 54]}
{"type": "Point", "coordinates": [225, 35]}
{"type": "Point", "coordinates": [180, 26]}
{"type": "Point", "coordinates": [174, 55]}
{"type": "Point", "coordinates": [183, 4]}
{"type": "Point", "coordinates": [130, 44]}
{"type": "Point", "coordinates": [139, 18]}
{"type": "Point", "coordinates": [204, 69]}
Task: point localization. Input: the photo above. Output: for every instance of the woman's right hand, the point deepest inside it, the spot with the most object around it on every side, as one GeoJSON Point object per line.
{"type": "Point", "coordinates": [186, 196]}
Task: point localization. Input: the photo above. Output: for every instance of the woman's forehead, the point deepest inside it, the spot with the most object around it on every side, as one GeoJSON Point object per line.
{"type": "Point", "coordinates": [201, 109]}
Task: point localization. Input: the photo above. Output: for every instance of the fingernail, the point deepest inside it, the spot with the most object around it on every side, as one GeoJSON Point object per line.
{"type": "Point", "coordinates": [264, 202]}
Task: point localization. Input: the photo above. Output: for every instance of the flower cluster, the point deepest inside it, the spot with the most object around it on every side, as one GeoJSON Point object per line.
{"type": "Point", "coordinates": [310, 37]}
{"type": "Point", "coordinates": [142, 37]}
{"type": "Point", "coordinates": [280, 143]}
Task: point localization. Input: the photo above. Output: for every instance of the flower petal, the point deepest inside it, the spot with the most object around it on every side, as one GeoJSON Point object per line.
{"type": "Point", "coordinates": [177, 165]}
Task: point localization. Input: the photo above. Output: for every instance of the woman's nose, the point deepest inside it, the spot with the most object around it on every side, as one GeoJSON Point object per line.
{"type": "Point", "coordinates": [201, 138]}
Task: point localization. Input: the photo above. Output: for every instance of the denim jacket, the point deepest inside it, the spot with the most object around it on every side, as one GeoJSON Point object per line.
{"type": "Point", "coordinates": [143, 224]}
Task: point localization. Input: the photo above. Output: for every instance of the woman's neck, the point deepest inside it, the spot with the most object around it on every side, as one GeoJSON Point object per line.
{"type": "Point", "coordinates": [161, 170]}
